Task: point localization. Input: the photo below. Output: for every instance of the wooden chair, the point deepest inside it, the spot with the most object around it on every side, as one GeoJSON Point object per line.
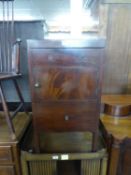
{"type": "Point", "coordinates": [9, 61]}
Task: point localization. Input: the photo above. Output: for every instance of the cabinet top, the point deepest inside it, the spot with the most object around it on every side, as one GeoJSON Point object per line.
{"type": "Point", "coordinates": [67, 43]}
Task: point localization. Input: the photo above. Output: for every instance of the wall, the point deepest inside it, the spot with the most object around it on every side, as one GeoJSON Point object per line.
{"type": "Point", "coordinates": [26, 11]}
{"type": "Point", "coordinates": [117, 74]}
{"type": "Point", "coordinates": [38, 9]}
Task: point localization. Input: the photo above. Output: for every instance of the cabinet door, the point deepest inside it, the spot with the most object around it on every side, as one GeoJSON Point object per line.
{"type": "Point", "coordinates": [65, 74]}
{"type": "Point", "coordinates": [7, 170]}
{"type": "Point", "coordinates": [65, 83]}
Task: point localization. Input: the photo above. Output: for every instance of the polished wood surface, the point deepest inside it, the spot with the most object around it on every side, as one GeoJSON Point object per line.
{"type": "Point", "coordinates": [65, 80]}
{"type": "Point", "coordinates": [120, 128]}
{"type": "Point", "coordinates": [116, 99]}
{"type": "Point", "coordinates": [117, 105]}
{"type": "Point", "coordinates": [117, 110]}
{"type": "Point", "coordinates": [124, 166]}
{"type": "Point", "coordinates": [65, 116]}
{"type": "Point", "coordinates": [72, 82]}
{"type": "Point", "coordinates": [117, 134]}
{"type": "Point", "coordinates": [9, 149]}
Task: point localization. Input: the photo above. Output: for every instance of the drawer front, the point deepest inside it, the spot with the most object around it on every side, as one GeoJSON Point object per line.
{"type": "Point", "coordinates": [6, 154]}
{"type": "Point", "coordinates": [65, 83]}
{"type": "Point", "coordinates": [7, 170]}
{"type": "Point", "coordinates": [66, 116]}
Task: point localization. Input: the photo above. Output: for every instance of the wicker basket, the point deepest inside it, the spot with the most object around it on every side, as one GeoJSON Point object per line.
{"type": "Point", "coordinates": [47, 164]}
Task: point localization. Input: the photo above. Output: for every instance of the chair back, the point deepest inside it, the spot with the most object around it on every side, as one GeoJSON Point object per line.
{"type": "Point", "coordinates": [9, 47]}
{"type": "Point", "coordinates": [16, 57]}
{"type": "Point", "coordinates": [11, 64]}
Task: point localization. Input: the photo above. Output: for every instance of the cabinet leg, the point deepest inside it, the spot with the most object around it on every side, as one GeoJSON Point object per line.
{"type": "Point", "coordinates": [114, 158]}
{"type": "Point", "coordinates": [36, 141]}
{"type": "Point", "coordinates": [95, 142]}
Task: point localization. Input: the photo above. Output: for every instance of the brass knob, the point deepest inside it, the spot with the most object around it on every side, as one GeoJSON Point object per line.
{"type": "Point", "coordinates": [66, 117]}
{"type": "Point", "coordinates": [37, 85]}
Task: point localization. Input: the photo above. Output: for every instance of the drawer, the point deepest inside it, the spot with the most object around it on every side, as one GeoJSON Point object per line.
{"type": "Point", "coordinates": [7, 170]}
{"type": "Point", "coordinates": [66, 116]}
{"type": "Point", "coordinates": [65, 57]}
{"type": "Point", "coordinates": [6, 154]}
{"type": "Point", "coordinates": [65, 83]}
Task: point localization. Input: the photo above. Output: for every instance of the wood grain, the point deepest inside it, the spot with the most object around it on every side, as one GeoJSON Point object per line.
{"type": "Point", "coordinates": [117, 134]}
{"type": "Point", "coordinates": [65, 81]}
{"type": "Point", "coordinates": [117, 105]}
{"type": "Point", "coordinates": [117, 110]}
{"type": "Point", "coordinates": [118, 59]}
{"type": "Point", "coordinates": [120, 128]}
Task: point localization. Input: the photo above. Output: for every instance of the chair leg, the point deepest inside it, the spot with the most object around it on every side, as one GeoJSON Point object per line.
{"type": "Point", "coordinates": [7, 114]}
{"type": "Point", "coordinates": [20, 95]}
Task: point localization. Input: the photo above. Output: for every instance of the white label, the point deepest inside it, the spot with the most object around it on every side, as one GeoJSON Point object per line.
{"type": "Point", "coordinates": [64, 157]}
{"type": "Point", "coordinates": [55, 157]}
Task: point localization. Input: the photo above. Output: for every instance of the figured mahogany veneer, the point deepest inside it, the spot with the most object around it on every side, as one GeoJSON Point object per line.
{"type": "Point", "coordinates": [65, 81]}
{"type": "Point", "coordinates": [66, 116]}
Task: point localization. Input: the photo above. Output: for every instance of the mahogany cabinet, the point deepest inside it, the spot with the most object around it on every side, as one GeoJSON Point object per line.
{"type": "Point", "coordinates": [65, 80]}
